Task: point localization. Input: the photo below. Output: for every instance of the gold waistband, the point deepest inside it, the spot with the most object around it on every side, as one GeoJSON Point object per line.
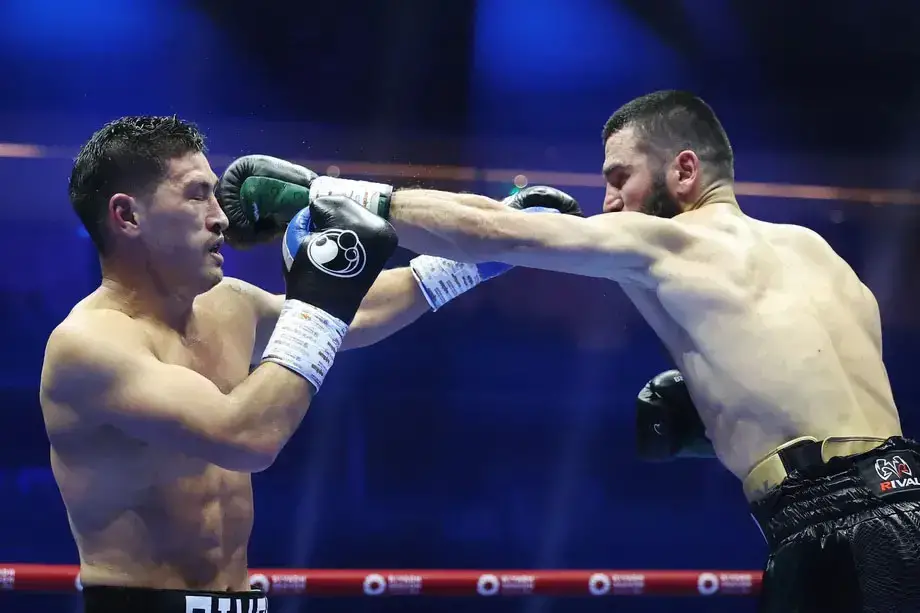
{"type": "Point", "coordinates": [770, 471]}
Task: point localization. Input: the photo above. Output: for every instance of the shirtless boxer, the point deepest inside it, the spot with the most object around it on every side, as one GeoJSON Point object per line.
{"type": "Point", "coordinates": [778, 339]}
{"type": "Point", "coordinates": [154, 419]}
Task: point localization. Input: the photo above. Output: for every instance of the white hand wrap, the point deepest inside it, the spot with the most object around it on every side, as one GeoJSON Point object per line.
{"type": "Point", "coordinates": [305, 341]}
{"type": "Point", "coordinates": [375, 197]}
{"type": "Point", "coordinates": [443, 280]}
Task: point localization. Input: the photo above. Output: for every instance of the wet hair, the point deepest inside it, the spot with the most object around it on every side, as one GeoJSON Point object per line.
{"type": "Point", "coordinates": [126, 155]}
{"type": "Point", "coordinates": [668, 122]}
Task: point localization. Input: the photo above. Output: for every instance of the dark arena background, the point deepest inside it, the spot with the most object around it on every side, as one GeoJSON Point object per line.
{"type": "Point", "coordinates": [496, 437]}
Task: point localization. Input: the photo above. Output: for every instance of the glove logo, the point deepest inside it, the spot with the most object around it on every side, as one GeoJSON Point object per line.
{"type": "Point", "coordinates": [337, 252]}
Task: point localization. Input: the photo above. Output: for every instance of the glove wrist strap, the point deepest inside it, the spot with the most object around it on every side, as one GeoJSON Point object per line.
{"type": "Point", "coordinates": [442, 280]}
{"type": "Point", "coordinates": [375, 197]}
{"type": "Point", "coordinates": [305, 340]}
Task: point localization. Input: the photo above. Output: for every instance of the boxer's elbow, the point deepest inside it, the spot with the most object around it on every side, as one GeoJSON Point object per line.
{"type": "Point", "coordinates": [246, 448]}
{"type": "Point", "coordinates": [256, 458]}
{"type": "Point", "coordinates": [246, 455]}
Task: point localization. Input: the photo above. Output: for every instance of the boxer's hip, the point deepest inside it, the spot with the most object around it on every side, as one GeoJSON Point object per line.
{"type": "Point", "coordinates": [802, 453]}
{"type": "Point", "coordinates": [824, 487]}
{"type": "Point", "coordinates": [114, 599]}
{"type": "Point", "coordinates": [844, 532]}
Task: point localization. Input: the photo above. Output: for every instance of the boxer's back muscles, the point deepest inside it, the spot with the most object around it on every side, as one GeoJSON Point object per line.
{"type": "Point", "coordinates": [145, 461]}
{"type": "Point", "coordinates": [776, 335]}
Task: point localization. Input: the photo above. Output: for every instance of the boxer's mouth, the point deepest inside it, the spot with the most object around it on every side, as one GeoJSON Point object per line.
{"type": "Point", "coordinates": [215, 248]}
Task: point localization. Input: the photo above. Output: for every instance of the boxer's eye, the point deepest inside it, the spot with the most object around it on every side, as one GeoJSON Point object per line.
{"type": "Point", "coordinates": [616, 179]}
{"type": "Point", "coordinates": [199, 191]}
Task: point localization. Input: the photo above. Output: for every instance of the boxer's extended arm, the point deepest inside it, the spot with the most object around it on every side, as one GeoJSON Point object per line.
{"type": "Point", "coordinates": [393, 302]}
{"type": "Point", "coordinates": [440, 223]}
{"type": "Point", "coordinates": [101, 369]}
{"type": "Point", "coordinates": [618, 246]}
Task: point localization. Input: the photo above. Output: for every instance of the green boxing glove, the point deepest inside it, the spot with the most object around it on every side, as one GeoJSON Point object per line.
{"type": "Point", "coordinates": [260, 195]}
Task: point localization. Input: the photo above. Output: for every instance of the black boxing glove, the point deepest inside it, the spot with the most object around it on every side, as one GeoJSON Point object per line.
{"type": "Point", "coordinates": [668, 425]}
{"type": "Point", "coordinates": [260, 195]}
{"type": "Point", "coordinates": [544, 197]}
{"type": "Point", "coordinates": [333, 251]}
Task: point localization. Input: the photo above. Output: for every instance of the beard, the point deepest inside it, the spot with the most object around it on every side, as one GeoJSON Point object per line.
{"type": "Point", "coordinates": [660, 202]}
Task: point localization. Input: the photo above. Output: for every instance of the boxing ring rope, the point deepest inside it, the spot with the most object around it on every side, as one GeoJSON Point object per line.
{"type": "Point", "coordinates": [507, 175]}
{"type": "Point", "coordinates": [433, 582]}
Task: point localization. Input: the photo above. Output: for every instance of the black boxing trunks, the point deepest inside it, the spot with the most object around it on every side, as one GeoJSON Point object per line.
{"type": "Point", "coordinates": [844, 534]}
{"type": "Point", "coordinates": [108, 599]}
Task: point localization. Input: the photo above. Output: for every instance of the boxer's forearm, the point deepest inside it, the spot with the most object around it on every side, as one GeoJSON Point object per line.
{"type": "Point", "coordinates": [393, 302]}
{"type": "Point", "coordinates": [264, 412]}
{"type": "Point", "coordinates": [449, 225]}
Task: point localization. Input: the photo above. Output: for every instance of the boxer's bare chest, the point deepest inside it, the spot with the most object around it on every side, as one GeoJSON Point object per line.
{"type": "Point", "coordinates": [218, 342]}
{"type": "Point", "coordinates": [160, 504]}
{"type": "Point", "coordinates": [218, 345]}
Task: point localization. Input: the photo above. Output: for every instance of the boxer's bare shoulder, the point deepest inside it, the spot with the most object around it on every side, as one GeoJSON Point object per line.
{"type": "Point", "coordinates": [125, 402]}
{"type": "Point", "coordinates": [775, 333]}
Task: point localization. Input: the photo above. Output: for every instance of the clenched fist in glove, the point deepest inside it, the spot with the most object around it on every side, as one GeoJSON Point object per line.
{"type": "Point", "coordinates": [260, 195]}
{"type": "Point", "coordinates": [668, 425]}
{"type": "Point", "coordinates": [333, 251]}
{"type": "Point", "coordinates": [541, 196]}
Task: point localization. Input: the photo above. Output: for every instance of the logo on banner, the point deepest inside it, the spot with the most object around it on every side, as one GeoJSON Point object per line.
{"type": "Point", "coordinates": [601, 584]}
{"type": "Point", "coordinates": [376, 584]}
{"type": "Point", "coordinates": [491, 585]}
{"type": "Point", "coordinates": [7, 578]}
{"type": "Point", "coordinates": [726, 583]}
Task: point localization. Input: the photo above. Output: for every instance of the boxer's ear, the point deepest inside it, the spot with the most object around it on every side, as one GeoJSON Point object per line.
{"type": "Point", "coordinates": [688, 174]}
{"type": "Point", "coordinates": [123, 214]}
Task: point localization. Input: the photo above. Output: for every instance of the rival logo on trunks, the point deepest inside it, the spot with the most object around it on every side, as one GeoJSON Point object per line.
{"type": "Point", "coordinates": [895, 474]}
{"type": "Point", "coordinates": [892, 469]}
{"type": "Point", "coordinates": [337, 252]}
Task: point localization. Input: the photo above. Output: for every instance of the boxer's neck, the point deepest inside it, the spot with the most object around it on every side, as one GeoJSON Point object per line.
{"type": "Point", "coordinates": [720, 192]}
{"type": "Point", "coordinates": [144, 297]}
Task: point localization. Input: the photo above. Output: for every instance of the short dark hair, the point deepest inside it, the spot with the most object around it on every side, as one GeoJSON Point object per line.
{"type": "Point", "coordinates": [127, 155]}
{"type": "Point", "coordinates": [668, 122]}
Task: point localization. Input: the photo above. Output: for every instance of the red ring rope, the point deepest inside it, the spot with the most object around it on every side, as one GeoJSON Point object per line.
{"type": "Point", "coordinates": [431, 582]}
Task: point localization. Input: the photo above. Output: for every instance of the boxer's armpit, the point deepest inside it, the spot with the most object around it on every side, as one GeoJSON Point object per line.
{"type": "Point", "coordinates": [106, 375]}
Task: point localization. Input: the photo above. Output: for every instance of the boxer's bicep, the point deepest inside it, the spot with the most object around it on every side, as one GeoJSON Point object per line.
{"type": "Point", "coordinates": [393, 302]}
